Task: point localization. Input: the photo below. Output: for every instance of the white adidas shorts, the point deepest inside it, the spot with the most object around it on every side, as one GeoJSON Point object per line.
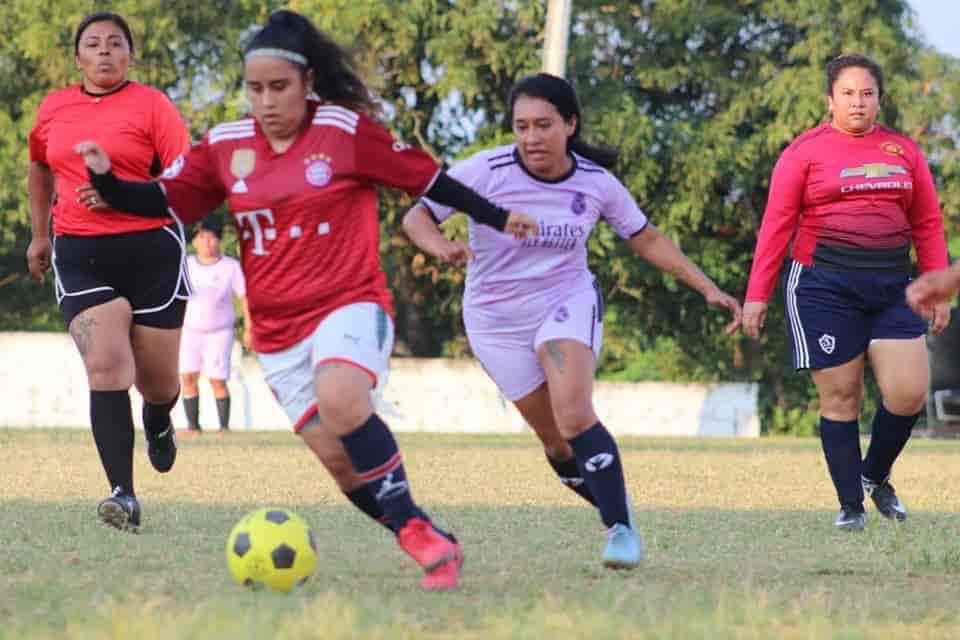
{"type": "Point", "coordinates": [509, 353]}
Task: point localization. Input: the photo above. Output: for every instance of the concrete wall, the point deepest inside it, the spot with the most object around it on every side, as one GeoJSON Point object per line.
{"type": "Point", "coordinates": [43, 384]}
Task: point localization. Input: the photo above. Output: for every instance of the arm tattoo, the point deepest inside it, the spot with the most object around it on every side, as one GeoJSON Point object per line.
{"type": "Point", "coordinates": [82, 331]}
{"type": "Point", "coordinates": [556, 354]}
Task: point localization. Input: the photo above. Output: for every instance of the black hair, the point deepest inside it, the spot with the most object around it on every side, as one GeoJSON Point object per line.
{"type": "Point", "coordinates": [102, 16]}
{"type": "Point", "coordinates": [561, 95]}
{"type": "Point", "coordinates": [334, 77]}
{"type": "Point", "coordinates": [212, 223]}
{"type": "Point", "coordinates": [838, 64]}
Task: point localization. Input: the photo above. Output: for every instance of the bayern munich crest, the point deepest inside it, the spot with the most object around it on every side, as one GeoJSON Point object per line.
{"type": "Point", "coordinates": [318, 172]}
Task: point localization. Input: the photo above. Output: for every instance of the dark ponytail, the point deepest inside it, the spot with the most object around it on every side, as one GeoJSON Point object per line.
{"type": "Point", "coordinates": [561, 95]}
{"type": "Point", "coordinates": [334, 78]}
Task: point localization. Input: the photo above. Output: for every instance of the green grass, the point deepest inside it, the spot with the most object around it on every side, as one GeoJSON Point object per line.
{"type": "Point", "coordinates": [738, 537]}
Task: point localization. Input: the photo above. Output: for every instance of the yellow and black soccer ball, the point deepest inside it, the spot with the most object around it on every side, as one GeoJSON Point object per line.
{"type": "Point", "coordinates": [271, 548]}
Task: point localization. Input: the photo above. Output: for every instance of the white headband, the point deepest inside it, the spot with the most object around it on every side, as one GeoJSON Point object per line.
{"type": "Point", "coordinates": [292, 56]}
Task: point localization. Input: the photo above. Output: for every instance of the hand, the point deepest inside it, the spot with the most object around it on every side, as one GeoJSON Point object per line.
{"type": "Point", "coordinates": [718, 298]}
{"type": "Point", "coordinates": [932, 288]}
{"type": "Point", "coordinates": [452, 252]}
{"type": "Point", "coordinates": [88, 197]}
{"type": "Point", "coordinates": [940, 318]}
{"type": "Point", "coordinates": [520, 225]}
{"type": "Point", "coordinates": [38, 257]}
{"type": "Point", "coordinates": [94, 156]}
{"type": "Point", "coordinates": [754, 317]}
{"type": "Point", "coordinates": [247, 339]}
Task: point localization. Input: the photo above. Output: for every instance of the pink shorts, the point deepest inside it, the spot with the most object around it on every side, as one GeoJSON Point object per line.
{"type": "Point", "coordinates": [508, 352]}
{"type": "Point", "coordinates": [206, 352]}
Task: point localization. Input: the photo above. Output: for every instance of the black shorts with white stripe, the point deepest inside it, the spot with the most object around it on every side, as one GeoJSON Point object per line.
{"type": "Point", "coordinates": [147, 268]}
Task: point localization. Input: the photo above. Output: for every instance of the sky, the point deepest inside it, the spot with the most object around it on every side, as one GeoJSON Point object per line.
{"type": "Point", "coordinates": [939, 20]}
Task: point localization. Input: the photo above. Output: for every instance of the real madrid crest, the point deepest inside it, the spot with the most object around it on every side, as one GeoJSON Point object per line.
{"type": "Point", "coordinates": [242, 163]}
{"type": "Point", "coordinates": [318, 170]}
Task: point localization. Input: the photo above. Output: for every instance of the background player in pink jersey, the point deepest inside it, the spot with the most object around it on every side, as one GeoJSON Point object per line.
{"type": "Point", "coordinates": [301, 179]}
{"type": "Point", "coordinates": [119, 279]}
{"type": "Point", "coordinates": [207, 340]}
{"type": "Point", "coordinates": [532, 310]}
{"type": "Point", "coordinates": [852, 196]}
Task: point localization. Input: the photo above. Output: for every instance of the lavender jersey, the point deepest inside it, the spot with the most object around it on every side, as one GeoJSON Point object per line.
{"type": "Point", "coordinates": [529, 275]}
{"type": "Point", "coordinates": [210, 307]}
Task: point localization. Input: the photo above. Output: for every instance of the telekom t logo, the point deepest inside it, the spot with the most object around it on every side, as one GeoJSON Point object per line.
{"type": "Point", "coordinates": [250, 223]}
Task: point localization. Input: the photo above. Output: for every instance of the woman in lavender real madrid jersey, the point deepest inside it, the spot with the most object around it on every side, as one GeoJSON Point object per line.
{"type": "Point", "coordinates": [533, 314]}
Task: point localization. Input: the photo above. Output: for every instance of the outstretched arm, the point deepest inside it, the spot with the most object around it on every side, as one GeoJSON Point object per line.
{"type": "Point", "coordinates": [140, 198]}
{"type": "Point", "coordinates": [657, 249]}
{"type": "Point", "coordinates": [423, 231]}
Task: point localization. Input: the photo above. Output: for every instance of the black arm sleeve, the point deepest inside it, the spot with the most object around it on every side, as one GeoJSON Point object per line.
{"type": "Point", "coordinates": [145, 199]}
{"type": "Point", "coordinates": [453, 193]}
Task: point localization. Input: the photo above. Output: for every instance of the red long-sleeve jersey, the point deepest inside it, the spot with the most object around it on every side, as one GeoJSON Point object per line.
{"type": "Point", "coordinates": [866, 192]}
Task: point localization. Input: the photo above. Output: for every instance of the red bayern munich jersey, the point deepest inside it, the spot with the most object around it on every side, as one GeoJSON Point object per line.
{"type": "Point", "coordinates": [139, 128]}
{"type": "Point", "coordinates": [873, 191]}
{"type": "Point", "coordinates": [308, 217]}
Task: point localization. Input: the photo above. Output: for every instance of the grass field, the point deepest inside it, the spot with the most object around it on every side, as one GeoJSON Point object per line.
{"type": "Point", "coordinates": [738, 538]}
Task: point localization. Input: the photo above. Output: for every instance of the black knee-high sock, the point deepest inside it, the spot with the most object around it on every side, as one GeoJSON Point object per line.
{"type": "Point", "coordinates": [599, 461]}
{"type": "Point", "coordinates": [890, 435]}
{"type": "Point", "coordinates": [569, 475]}
{"type": "Point", "coordinates": [191, 407]}
{"type": "Point", "coordinates": [156, 417]}
{"type": "Point", "coordinates": [841, 447]}
{"type": "Point", "coordinates": [112, 420]}
{"type": "Point", "coordinates": [363, 500]}
{"type": "Point", "coordinates": [223, 412]}
{"type": "Point", "coordinates": [376, 457]}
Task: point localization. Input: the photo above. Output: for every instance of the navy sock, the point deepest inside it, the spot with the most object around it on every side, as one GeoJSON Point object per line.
{"type": "Point", "coordinates": [569, 475]}
{"type": "Point", "coordinates": [362, 498]}
{"type": "Point", "coordinates": [890, 435]}
{"type": "Point", "coordinates": [374, 454]}
{"type": "Point", "coordinates": [223, 412]}
{"type": "Point", "coordinates": [156, 417]}
{"type": "Point", "coordinates": [112, 420]}
{"type": "Point", "coordinates": [191, 407]}
{"type": "Point", "coordinates": [599, 461]}
{"type": "Point", "coordinates": [841, 447]}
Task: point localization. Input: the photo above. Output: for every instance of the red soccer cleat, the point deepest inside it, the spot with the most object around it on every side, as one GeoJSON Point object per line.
{"type": "Point", "coordinates": [437, 555]}
{"type": "Point", "coordinates": [443, 578]}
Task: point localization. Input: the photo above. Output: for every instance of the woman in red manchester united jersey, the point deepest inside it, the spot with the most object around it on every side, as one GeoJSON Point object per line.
{"type": "Point", "coordinates": [852, 197]}
{"type": "Point", "coordinates": [300, 178]}
{"type": "Point", "coordinates": [119, 278]}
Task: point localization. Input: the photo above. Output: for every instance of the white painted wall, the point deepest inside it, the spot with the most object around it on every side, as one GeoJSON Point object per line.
{"type": "Point", "coordinates": [43, 384]}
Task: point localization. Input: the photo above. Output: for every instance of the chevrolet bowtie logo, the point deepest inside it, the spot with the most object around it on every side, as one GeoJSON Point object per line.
{"type": "Point", "coordinates": [873, 170]}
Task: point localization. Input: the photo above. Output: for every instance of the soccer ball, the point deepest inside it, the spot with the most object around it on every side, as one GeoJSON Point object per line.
{"type": "Point", "coordinates": [272, 548]}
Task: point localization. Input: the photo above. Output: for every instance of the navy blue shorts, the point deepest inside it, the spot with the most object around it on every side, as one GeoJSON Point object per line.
{"type": "Point", "coordinates": [834, 314]}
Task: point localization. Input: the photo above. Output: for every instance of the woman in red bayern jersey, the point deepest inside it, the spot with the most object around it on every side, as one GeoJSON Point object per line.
{"type": "Point", "coordinates": [119, 278]}
{"type": "Point", "coordinates": [300, 178]}
{"type": "Point", "coordinates": [852, 196]}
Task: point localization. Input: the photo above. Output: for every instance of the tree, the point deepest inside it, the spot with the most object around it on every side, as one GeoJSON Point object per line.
{"type": "Point", "coordinates": [699, 96]}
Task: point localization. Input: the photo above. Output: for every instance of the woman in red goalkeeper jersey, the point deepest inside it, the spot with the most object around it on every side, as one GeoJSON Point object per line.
{"type": "Point", "coordinates": [300, 178]}
{"type": "Point", "coordinates": [119, 278]}
{"type": "Point", "coordinates": [852, 196]}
